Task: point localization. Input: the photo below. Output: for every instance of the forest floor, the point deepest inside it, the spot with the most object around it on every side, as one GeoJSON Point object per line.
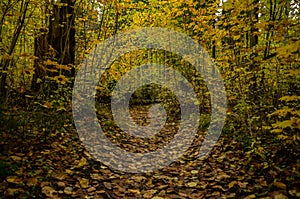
{"type": "Point", "coordinates": [37, 163]}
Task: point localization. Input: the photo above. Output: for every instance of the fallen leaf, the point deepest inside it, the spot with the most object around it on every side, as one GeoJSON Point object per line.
{"type": "Point", "coordinates": [139, 178]}
{"type": "Point", "coordinates": [280, 196]}
{"type": "Point", "coordinates": [251, 196]}
{"type": "Point", "coordinates": [194, 172]}
{"type": "Point", "coordinates": [49, 191]}
{"type": "Point", "coordinates": [135, 191]}
{"type": "Point", "coordinates": [192, 184]}
{"type": "Point", "coordinates": [12, 192]}
{"type": "Point", "coordinates": [81, 162]}
{"type": "Point", "coordinates": [280, 185]}
{"type": "Point", "coordinates": [59, 176]}
{"type": "Point", "coordinates": [107, 185]}
{"type": "Point", "coordinates": [16, 158]}
{"type": "Point", "coordinates": [69, 171]}
{"type": "Point", "coordinates": [68, 190]}
{"type": "Point", "coordinates": [61, 184]}
{"type": "Point", "coordinates": [31, 182]}
{"type": "Point", "coordinates": [44, 183]}
{"type": "Point", "coordinates": [242, 184]}
{"type": "Point", "coordinates": [231, 184]}
{"type": "Point", "coordinates": [149, 193]}
{"type": "Point", "coordinates": [295, 192]}
{"type": "Point", "coordinates": [84, 183]}
{"type": "Point", "coordinates": [13, 179]}
{"type": "Point", "coordinates": [91, 189]}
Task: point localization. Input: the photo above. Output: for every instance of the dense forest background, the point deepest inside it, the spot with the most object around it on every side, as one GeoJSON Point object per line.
{"type": "Point", "coordinates": [255, 45]}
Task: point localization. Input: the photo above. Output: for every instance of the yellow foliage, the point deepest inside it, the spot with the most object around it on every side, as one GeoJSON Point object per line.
{"type": "Point", "coordinates": [290, 98]}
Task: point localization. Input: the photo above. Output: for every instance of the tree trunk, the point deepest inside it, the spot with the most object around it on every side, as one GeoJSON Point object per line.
{"type": "Point", "coordinates": [62, 33]}
{"type": "Point", "coordinates": [40, 51]}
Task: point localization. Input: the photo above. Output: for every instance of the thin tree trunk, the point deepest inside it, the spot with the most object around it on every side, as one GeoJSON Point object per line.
{"type": "Point", "coordinates": [5, 62]}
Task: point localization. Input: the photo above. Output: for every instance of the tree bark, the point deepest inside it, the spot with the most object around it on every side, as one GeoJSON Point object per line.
{"type": "Point", "coordinates": [62, 33]}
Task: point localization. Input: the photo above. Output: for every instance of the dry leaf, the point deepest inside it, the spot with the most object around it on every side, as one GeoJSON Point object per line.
{"type": "Point", "coordinates": [242, 184]}
{"type": "Point", "coordinates": [68, 190]}
{"type": "Point", "coordinates": [59, 176]}
{"type": "Point", "coordinates": [32, 182]}
{"type": "Point", "coordinates": [13, 179]}
{"type": "Point", "coordinates": [91, 189]}
{"type": "Point", "coordinates": [231, 184]}
{"type": "Point", "coordinates": [81, 162]}
{"type": "Point", "coordinates": [16, 158]}
{"type": "Point", "coordinates": [194, 172]}
{"type": "Point", "coordinates": [280, 185]}
{"type": "Point", "coordinates": [192, 184]}
{"type": "Point", "coordinates": [149, 193]}
{"type": "Point", "coordinates": [61, 184]}
{"type": "Point", "coordinates": [69, 171]}
{"type": "Point", "coordinates": [107, 185]}
{"type": "Point", "coordinates": [49, 192]}
{"type": "Point", "coordinates": [84, 183]}
{"type": "Point", "coordinates": [280, 196]}
{"type": "Point", "coordinates": [12, 192]}
{"type": "Point", "coordinates": [135, 191]}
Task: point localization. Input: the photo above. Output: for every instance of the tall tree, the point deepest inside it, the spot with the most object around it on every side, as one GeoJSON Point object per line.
{"type": "Point", "coordinates": [62, 32]}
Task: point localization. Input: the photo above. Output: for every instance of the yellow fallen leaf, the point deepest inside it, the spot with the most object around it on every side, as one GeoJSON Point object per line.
{"type": "Point", "coordinates": [81, 162]}
{"type": "Point", "coordinates": [69, 171]}
{"type": "Point", "coordinates": [280, 196]}
{"type": "Point", "coordinates": [13, 179]}
{"type": "Point", "coordinates": [84, 183]}
{"type": "Point", "coordinates": [194, 172]}
{"type": "Point", "coordinates": [46, 152]}
{"type": "Point", "coordinates": [192, 184]}
{"type": "Point", "coordinates": [49, 191]}
{"type": "Point", "coordinates": [251, 196]}
{"type": "Point", "coordinates": [149, 193]}
{"type": "Point", "coordinates": [16, 158]}
{"type": "Point", "coordinates": [280, 185]}
{"type": "Point", "coordinates": [231, 184]}
{"type": "Point", "coordinates": [135, 191]}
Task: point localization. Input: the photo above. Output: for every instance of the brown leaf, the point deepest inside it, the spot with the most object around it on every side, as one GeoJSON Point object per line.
{"type": "Point", "coordinates": [139, 178]}
{"type": "Point", "coordinates": [135, 191]}
{"type": "Point", "coordinates": [242, 184]}
{"type": "Point", "coordinates": [107, 185]}
{"type": "Point", "coordinates": [280, 185]}
{"type": "Point", "coordinates": [13, 179]}
{"type": "Point", "coordinates": [44, 183]}
{"type": "Point", "coordinates": [149, 193]}
{"type": "Point", "coordinates": [12, 192]}
{"type": "Point", "coordinates": [231, 184]}
{"type": "Point", "coordinates": [31, 182]}
{"type": "Point", "coordinates": [59, 176]}
{"type": "Point", "coordinates": [68, 190]}
{"type": "Point", "coordinates": [192, 184]}
{"type": "Point", "coordinates": [49, 192]}
{"type": "Point", "coordinates": [16, 158]}
{"type": "Point", "coordinates": [61, 184]}
{"type": "Point", "coordinates": [91, 189]}
{"type": "Point", "coordinates": [280, 196]}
